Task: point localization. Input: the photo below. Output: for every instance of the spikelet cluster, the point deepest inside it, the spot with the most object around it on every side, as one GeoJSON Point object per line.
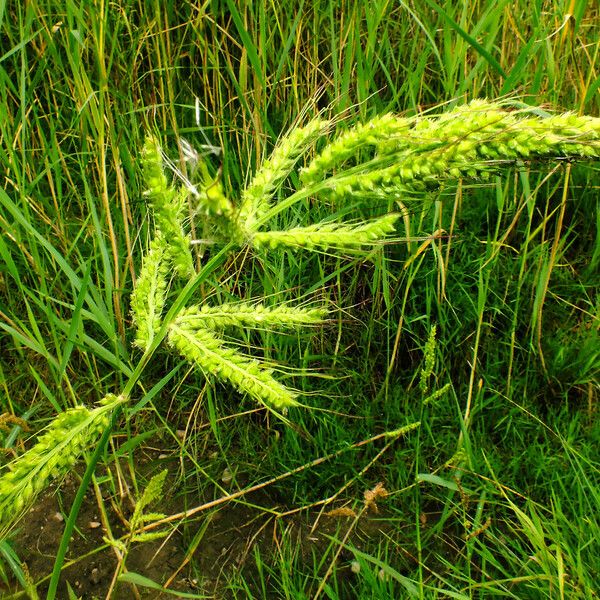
{"type": "Point", "coordinates": [167, 205]}
{"type": "Point", "coordinates": [243, 314]}
{"type": "Point", "coordinates": [53, 455]}
{"type": "Point", "coordinates": [429, 356]}
{"type": "Point", "coordinates": [403, 430]}
{"type": "Point", "coordinates": [210, 194]}
{"type": "Point", "coordinates": [246, 374]}
{"type": "Point", "coordinates": [194, 332]}
{"type": "Point", "coordinates": [461, 141]}
{"type": "Point", "coordinates": [256, 199]}
{"type": "Point", "coordinates": [141, 517]}
{"type": "Point", "coordinates": [149, 294]}
{"type": "Point", "coordinates": [214, 201]}
{"type": "Point", "coordinates": [257, 196]}
{"type": "Point", "coordinates": [484, 130]}
{"type": "Point", "coordinates": [469, 141]}
{"type": "Point", "coordinates": [407, 156]}
{"type": "Point", "coordinates": [372, 133]}
{"type": "Point", "coordinates": [329, 235]}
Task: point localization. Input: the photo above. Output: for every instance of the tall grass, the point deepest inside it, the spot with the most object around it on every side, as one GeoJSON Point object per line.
{"type": "Point", "coordinates": [495, 493]}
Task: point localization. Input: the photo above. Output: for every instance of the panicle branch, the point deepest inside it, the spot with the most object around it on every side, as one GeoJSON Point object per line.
{"type": "Point", "coordinates": [167, 205]}
{"type": "Point", "coordinates": [52, 457]}
{"type": "Point", "coordinates": [242, 314]}
{"type": "Point", "coordinates": [203, 348]}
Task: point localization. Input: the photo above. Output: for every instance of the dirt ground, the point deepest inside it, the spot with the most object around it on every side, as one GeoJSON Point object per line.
{"type": "Point", "coordinates": [227, 538]}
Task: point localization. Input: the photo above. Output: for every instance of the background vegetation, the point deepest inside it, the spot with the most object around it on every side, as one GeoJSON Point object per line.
{"type": "Point", "coordinates": [507, 270]}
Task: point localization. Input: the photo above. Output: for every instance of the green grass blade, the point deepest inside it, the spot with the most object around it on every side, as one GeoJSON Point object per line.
{"type": "Point", "coordinates": [468, 38]}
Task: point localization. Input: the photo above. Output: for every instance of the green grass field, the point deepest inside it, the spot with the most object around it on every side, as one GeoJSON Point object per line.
{"type": "Point", "coordinates": [446, 441]}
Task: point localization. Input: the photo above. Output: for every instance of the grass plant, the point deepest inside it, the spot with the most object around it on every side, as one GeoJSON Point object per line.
{"type": "Point", "coordinates": [403, 287]}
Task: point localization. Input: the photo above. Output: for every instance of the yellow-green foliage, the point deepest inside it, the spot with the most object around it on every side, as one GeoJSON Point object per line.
{"type": "Point", "coordinates": [167, 205]}
{"type": "Point", "coordinates": [52, 456]}
{"type": "Point", "coordinates": [429, 356]}
{"type": "Point", "coordinates": [246, 374]}
{"type": "Point", "coordinates": [403, 430]}
{"type": "Point", "coordinates": [469, 141]}
{"type": "Point", "coordinates": [141, 517]}
{"type": "Point", "coordinates": [257, 196]}
{"type": "Point", "coordinates": [190, 331]}
{"type": "Point", "coordinates": [329, 235]}
{"type": "Point", "coordinates": [148, 297]}
{"type": "Point", "coordinates": [345, 146]}
{"type": "Point", "coordinates": [390, 156]}
{"type": "Point", "coordinates": [243, 314]}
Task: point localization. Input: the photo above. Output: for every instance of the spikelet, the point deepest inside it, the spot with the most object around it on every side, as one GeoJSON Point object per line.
{"type": "Point", "coordinates": [213, 201]}
{"type": "Point", "coordinates": [429, 356]}
{"type": "Point", "coordinates": [373, 495]}
{"type": "Point", "coordinates": [148, 297]}
{"type": "Point", "coordinates": [437, 394]}
{"type": "Point", "coordinates": [469, 141]}
{"type": "Point", "coordinates": [210, 194]}
{"type": "Point", "coordinates": [140, 517]}
{"type": "Point", "coordinates": [167, 205]}
{"type": "Point", "coordinates": [573, 134]}
{"type": "Point", "coordinates": [347, 145]}
{"type": "Point", "coordinates": [257, 196]}
{"type": "Point", "coordinates": [246, 374]}
{"type": "Point", "coordinates": [329, 235]}
{"type": "Point", "coordinates": [403, 430]}
{"type": "Point", "coordinates": [482, 131]}
{"type": "Point", "coordinates": [242, 314]}
{"type": "Point", "coordinates": [53, 456]}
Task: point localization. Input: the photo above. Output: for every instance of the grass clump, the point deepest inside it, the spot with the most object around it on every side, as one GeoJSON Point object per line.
{"type": "Point", "coordinates": [303, 269]}
{"type": "Point", "coordinates": [414, 158]}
